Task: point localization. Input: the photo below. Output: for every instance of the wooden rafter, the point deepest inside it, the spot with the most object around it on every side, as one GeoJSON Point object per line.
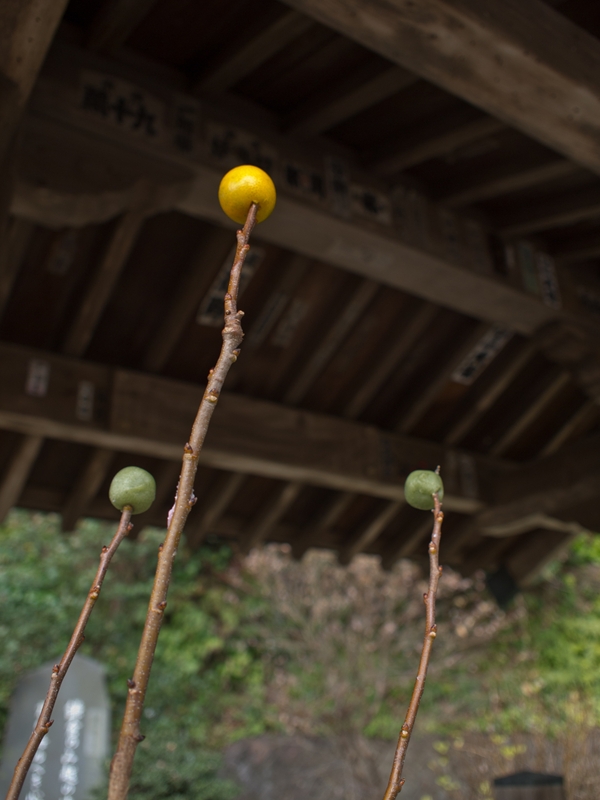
{"type": "Point", "coordinates": [151, 415]}
{"type": "Point", "coordinates": [27, 29]}
{"type": "Point", "coordinates": [370, 531]}
{"type": "Point", "coordinates": [403, 343]}
{"type": "Point", "coordinates": [310, 121]}
{"type": "Point", "coordinates": [438, 146]}
{"type": "Point", "coordinates": [513, 182]}
{"type": "Point", "coordinates": [332, 341]}
{"type": "Point", "coordinates": [375, 252]}
{"type": "Point", "coordinates": [336, 507]}
{"type": "Point", "coordinates": [115, 21]}
{"type": "Point", "coordinates": [192, 289]}
{"type": "Point", "coordinates": [270, 515]}
{"type": "Point", "coordinates": [426, 398]}
{"type": "Point", "coordinates": [214, 508]}
{"type": "Point", "coordinates": [86, 487]}
{"type": "Point", "coordinates": [17, 472]}
{"type": "Point", "coordinates": [12, 250]}
{"type": "Point", "coordinates": [522, 62]}
{"type": "Point", "coordinates": [528, 417]}
{"type": "Point", "coordinates": [255, 52]}
{"type": "Point", "coordinates": [103, 282]}
{"type": "Point", "coordinates": [585, 414]}
{"type": "Point", "coordinates": [472, 415]}
{"type": "Point", "coordinates": [406, 542]}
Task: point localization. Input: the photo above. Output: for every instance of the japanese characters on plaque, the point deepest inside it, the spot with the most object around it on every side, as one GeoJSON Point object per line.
{"type": "Point", "coordinates": [337, 176]}
{"type": "Point", "coordinates": [123, 105]}
{"type": "Point", "coordinates": [306, 181]}
{"type": "Point", "coordinates": [233, 146]}
{"type": "Point", "coordinates": [177, 123]}
{"type": "Point", "coordinates": [370, 204]}
{"type": "Point", "coordinates": [486, 349]}
{"type": "Point", "coordinates": [211, 307]}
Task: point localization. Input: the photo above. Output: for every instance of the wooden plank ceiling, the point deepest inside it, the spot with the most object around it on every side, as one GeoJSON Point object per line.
{"type": "Point", "coordinates": [427, 291]}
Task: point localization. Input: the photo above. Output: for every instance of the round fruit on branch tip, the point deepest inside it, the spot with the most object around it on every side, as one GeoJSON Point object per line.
{"type": "Point", "coordinates": [132, 486]}
{"type": "Point", "coordinates": [419, 488]}
{"type": "Point", "coordinates": [245, 185]}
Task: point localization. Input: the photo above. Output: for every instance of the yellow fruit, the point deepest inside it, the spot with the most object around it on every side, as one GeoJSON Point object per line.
{"type": "Point", "coordinates": [243, 186]}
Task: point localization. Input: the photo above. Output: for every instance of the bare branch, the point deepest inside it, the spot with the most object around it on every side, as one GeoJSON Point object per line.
{"type": "Point", "coordinates": [130, 736]}
{"type": "Point", "coordinates": [60, 670]}
{"type": "Point", "coordinates": [395, 782]}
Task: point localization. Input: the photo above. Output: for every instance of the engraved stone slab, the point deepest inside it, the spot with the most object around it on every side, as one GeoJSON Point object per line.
{"type": "Point", "coordinates": [72, 756]}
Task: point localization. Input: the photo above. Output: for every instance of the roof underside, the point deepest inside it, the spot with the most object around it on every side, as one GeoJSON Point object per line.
{"type": "Point", "coordinates": [456, 341]}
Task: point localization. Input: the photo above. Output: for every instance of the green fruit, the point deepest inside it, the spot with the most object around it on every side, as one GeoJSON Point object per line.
{"type": "Point", "coordinates": [132, 486]}
{"type": "Point", "coordinates": [420, 487]}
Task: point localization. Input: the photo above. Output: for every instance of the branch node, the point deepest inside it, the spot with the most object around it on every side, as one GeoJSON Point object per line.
{"type": "Point", "coordinates": [131, 683]}
{"type": "Point", "coordinates": [140, 737]}
{"type": "Point", "coordinates": [162, 605]}
{"type": "Point", "coordinates": [188, 449]}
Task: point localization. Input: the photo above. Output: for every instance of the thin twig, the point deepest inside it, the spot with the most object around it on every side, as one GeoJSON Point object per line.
{"type": "Point", "coordinates": [130, 736]}
{"type": "Point", "coordinates": [60, 670]}
{"type": "Point", "coordinates": [396, 783]}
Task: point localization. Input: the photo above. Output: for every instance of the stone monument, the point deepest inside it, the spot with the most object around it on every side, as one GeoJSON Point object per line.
{"type": "Point", "coordinates": [71, 759]}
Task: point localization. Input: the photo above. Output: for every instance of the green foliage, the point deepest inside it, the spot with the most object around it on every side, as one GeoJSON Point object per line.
{"type": "Point", "coordinates": [208, 683]}
{"type": "Point", "coordinates": [312, 647]}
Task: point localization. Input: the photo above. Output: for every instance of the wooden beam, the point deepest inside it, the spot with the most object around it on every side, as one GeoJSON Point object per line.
{"type": "Point", "coordinates": [193, 287]}
{"type": "Point", "coordinates": [115, 21]}
{"type": "Point", "coordinates": [27, 28]}
{"type": "Point", "coordinates": [86, 488]}
{"type": "Point", "coordinates": [271, 514]}
{"type": "Point", "coordinates": [293, 270]}
{"type": "Point", "coordinates": [374, 251]}
{"type": "Point", "coordinates": [556, 213]}
{"type": "Point", "coordinates": [214, 508]}
{"type": "Point", "coordinates": [12, 249]}
{"type": "Point", "coordinates": [438, 146]}
{"type": "Point", "coordinates": [533, 411]}
{"type": "Point", "coordinates": [17, 472]}
{"type": "Point", "coordinates": [406, 543]}
{"type": "Point", "coordinates": [310, 121]}
{"type": "Point", "coordinates": [583, 248]}
{"type": "Point", "coordinates": [529, 557]}
{"type": "Point", "coordinates": [152, 415]}
{"type": "Point", "coordinates": [332, 341]}
{"type": "Point", "coordinates": [416, 327]}
{"type": "Point", "coordinates": [531, 523]}
{"type": "Point", "coordinates": [548, 485]}
{"type": "Point", "coordinates": [582, 417]}
{"type": "Point", "coordinates": [524, 63]}
{"type": "Point", "coordinates": [251, 55]}
{"type": "Point", "coordinates": [515, 182]}
{"type": "Point", "coordinates": [464, 423]}
{"type": "Point", "coordinates": [103, 282]}
{"type": "Point", "coordinates": [337, 506]}
{"type": "Point", "coordinates": [370, 532]}
{"type": "Point", "coordinates": [441, 377]}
